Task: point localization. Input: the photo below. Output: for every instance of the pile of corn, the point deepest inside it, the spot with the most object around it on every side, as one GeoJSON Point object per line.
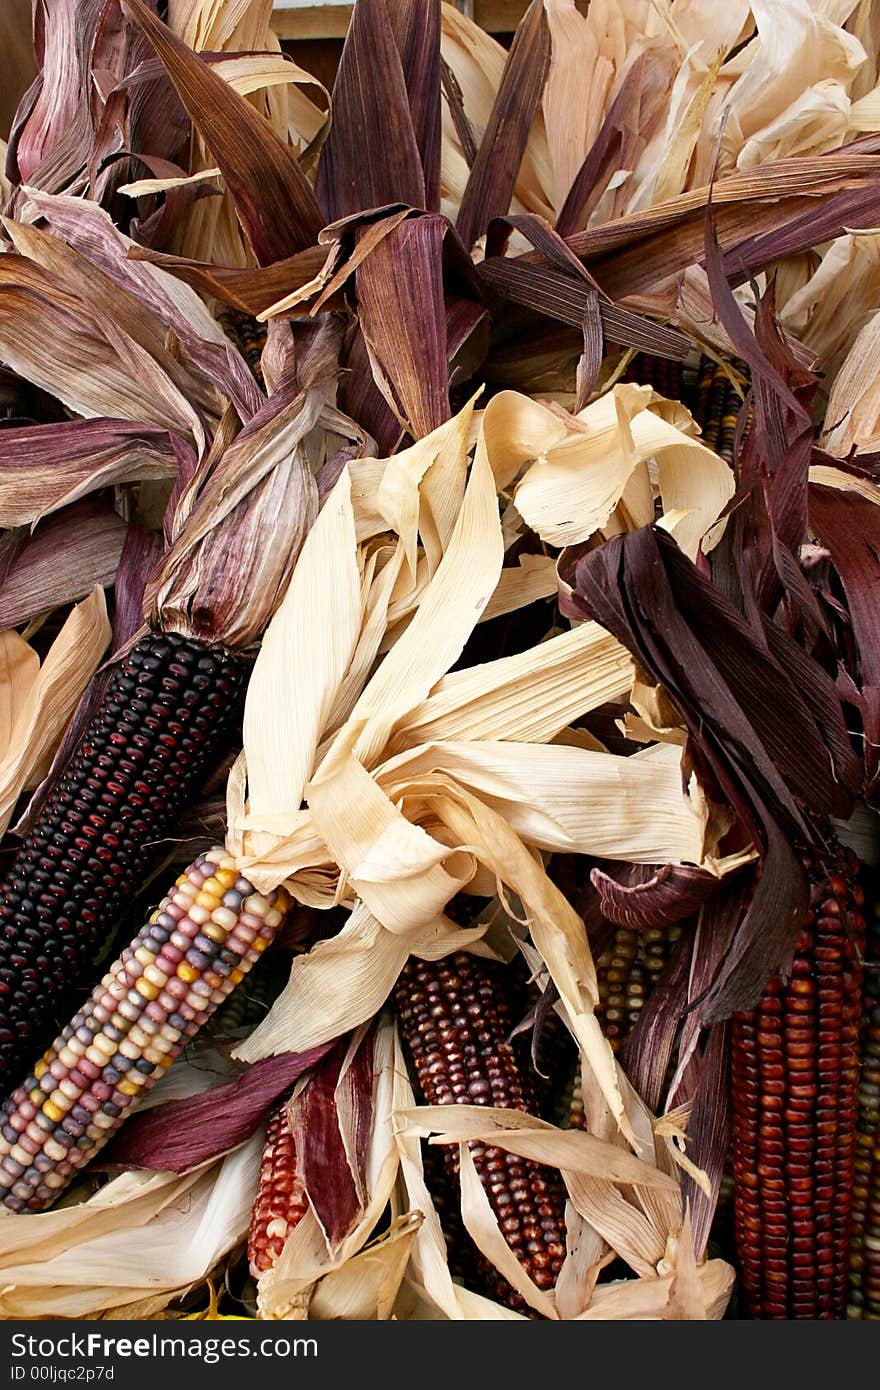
{"type": "Point", "coordinates": [303, 328]}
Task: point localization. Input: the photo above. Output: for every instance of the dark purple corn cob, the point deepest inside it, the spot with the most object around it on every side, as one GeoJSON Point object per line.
{"type": "Point", "coordinates": [795, 1107]}
{"type": "Point", "coordinates": [160, 726]}
{"type": "Point", "coordinates": [455, 1020]}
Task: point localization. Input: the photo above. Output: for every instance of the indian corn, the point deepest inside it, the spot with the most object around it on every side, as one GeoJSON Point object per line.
{"type": "Point", "coordinates": [864, 1270]}
{"type": "Point", "coordinates": [281, 1200]}
{"type": "Point", "coordinates": [197, 946]}
{"type": "Point", "coordinates": [455, 1022]}
{"type": "Point", "coordinates": [162, 722]}
{"type": "Point", "coordinates": [795, 1103]}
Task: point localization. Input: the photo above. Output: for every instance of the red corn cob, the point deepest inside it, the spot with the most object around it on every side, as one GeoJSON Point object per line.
{"type": "Point", "coordinates": [795, 1102]}
{"type": "Point", "coordinates": [455, 1021]}
{"type": "Point", "coordinates": [160, 726]}
{"type": "Point", "coordinates": [281, 1201]}
{"type": "Point", "coordinates": [864, 1269]}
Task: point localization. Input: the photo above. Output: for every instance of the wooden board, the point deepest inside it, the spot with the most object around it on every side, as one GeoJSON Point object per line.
{"type": "Point", "coordinates": [303, 19]}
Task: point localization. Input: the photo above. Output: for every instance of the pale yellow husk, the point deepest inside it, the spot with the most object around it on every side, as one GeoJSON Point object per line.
{"type": "Point", "coordinates": [37, 701]}
{"type": "Point", "coordinates": [396, 790]}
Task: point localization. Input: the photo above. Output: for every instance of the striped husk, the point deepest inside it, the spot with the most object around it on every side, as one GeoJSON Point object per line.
{"type": "Point", "coordinates": [795, 1103]}
{"type": "Point", "coordinates": [162, 724]}
{"type": "Point", "coordinates": [197, 946]}
{"type": "Point", "coordinates": [455, 1020]}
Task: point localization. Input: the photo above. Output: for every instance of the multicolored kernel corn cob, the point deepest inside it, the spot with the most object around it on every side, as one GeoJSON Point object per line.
{"type": "Point", "coordinates": [627, 970]}
{"type": "Point", "coordinates": [198, 945]}
{"type": "Point", "coordinates": [795, 1104]}
{"type": "Point", "coordinates": [281, 1201]}
{"type": "Point", "coordinates": [716, 407]}
{"type": "Point", "coordinates": [864, 1268]}
{"type": "Point", "coordinates": [250, 336]}
{"type": "Point", "coordinates": [170, 706]}
{"type": "Point", "coordinates": [455, 1020]}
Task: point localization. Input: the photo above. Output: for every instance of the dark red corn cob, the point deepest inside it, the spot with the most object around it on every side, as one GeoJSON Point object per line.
{"type": "Point", "coordinates": [864, 1269]}
{"type": "Point", "coordinates": [663, 374]}
{"type": "Point", "coordinates": [455, 1020]}
{"type": "Point", "coordinates": [281, 1201]}
{"type": "Point", "coordinates": [795, 1103]}
{"type": "Point", "coordinates": [160, 725]}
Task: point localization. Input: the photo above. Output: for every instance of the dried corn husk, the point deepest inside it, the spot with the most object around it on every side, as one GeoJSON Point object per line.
{"type": "Point", "coordinates": [36, 701]}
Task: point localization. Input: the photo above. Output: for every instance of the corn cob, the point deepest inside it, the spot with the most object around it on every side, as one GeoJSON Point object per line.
{"type": "Point", "coordinates": [664, 375]}
{"type": "Point", "coordinates": [454, 1020]}
{"type": "Point", "coordinates": [795, 1101]}
{"type": "Point", "coordinates": [627, 971]}
{"type": "Point", "coordinates": [250, 337]}
{"type": "Point", "coordinates": [716, 408]}
{"type": "Point", "coordinates": [197, 946]}
{"type": "Point", "coordinates": [246, 1006]}
{"type": "Point", "coordinates": [165, 716]}
{"type": "Point", "coordinates": [281, 1201]}
{"type": "Point", "coordinates": [864, 1269]}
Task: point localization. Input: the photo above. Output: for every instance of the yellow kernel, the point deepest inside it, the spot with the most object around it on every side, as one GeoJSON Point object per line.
{"type": "Point", "coordinates": [128, 1087]}
{"type": "Point", "coordinates": [259, 943]}
{"type": "Point", "coordinates": [104, 1045]}
{"type": "Point", "coordinates": [236, 977]}
{"type": "Point", "coordinates": [145, 989]}
{"type": "Point", "coordinates": [213, 887]}
{"type": "Point", "coordinates": [187, 972]}
{"type": "Point", "coordinates": [215, 932]}
{"type": "Point", "coordinates": [41, 1068]}
{"type": "Point", "coordinates": [53, 1113]}
{"type": "Point", "coordinates": [225, 877]}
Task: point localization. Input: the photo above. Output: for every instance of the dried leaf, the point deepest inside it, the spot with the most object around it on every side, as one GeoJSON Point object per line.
{"type": "Point", "coordinates": [493, 176]}
{"type": "Point", "coordinates": [273, 199]}
{"type": "Point", "coordinates": [182, 1135]}
{"type": "Point", "coordinates": [65, 559]}
{"type": "Point", "coordinates": [370, 98]}
{"type": "Point", "coordinates": [51, 697]}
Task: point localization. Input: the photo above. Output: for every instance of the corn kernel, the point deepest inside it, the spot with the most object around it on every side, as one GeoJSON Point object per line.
{"type": "Point", "coordinates": [53, 1112]}
{"type": "Point", "coordinates": [147, 990]}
